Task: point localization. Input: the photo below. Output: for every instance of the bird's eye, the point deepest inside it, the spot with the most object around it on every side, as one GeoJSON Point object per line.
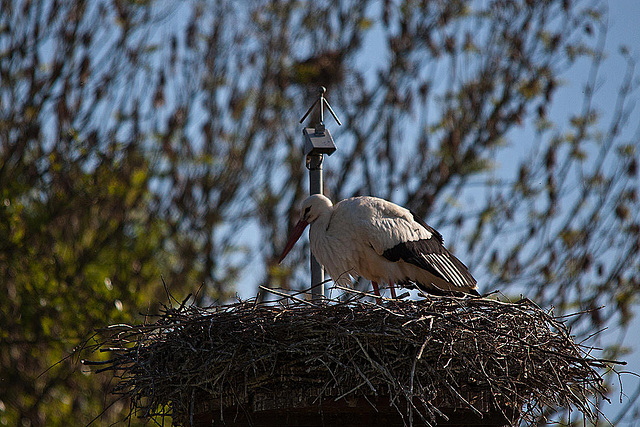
{"type": "Point", "coordinates": [306, 211]}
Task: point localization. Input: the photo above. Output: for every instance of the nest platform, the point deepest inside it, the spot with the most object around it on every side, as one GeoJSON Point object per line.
{"type": "Point", "coordinates": [435, 361]}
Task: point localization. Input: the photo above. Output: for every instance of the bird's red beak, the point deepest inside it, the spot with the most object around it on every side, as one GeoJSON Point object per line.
{"type": "Point", "coordinates": [293, 238]}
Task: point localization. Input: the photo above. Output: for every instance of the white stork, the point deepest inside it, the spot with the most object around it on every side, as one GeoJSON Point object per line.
{"type": "Point", "coordinates": [382, 242]}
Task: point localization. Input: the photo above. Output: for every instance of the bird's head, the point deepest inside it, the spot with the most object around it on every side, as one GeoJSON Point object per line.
{"type": "Point", "coordinates": [312, 208]}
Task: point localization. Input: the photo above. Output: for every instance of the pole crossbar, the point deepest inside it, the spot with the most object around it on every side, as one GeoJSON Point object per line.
{"type": "Point", "coordinates": [323, 101]}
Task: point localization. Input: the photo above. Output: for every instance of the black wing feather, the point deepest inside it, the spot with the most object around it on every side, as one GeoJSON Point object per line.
{"type": "Point", "coordinates": [432, 256]}
{"type": "Point", "coordinates": [431, 230]}
{"type": "Point", "coordinates": [410, 252]}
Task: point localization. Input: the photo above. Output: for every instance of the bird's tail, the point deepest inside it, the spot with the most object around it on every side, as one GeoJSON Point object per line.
{"type": "Point", "coordinates": [435, 291]}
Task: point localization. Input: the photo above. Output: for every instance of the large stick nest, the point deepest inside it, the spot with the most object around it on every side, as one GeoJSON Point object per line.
{"type": "Point", "coordinates": [423, 355]}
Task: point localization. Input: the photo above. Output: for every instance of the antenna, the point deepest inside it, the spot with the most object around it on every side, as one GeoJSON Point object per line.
{"type": "Point", "coordinates": [317, 143]}
{"type": "Point", "coordinates": [323, 101]}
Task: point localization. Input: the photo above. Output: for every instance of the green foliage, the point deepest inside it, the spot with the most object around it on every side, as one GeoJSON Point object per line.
{"type": "Point", "coordinates": [74, 261]}
{"type": "Point", "coordinates": [83, 238]}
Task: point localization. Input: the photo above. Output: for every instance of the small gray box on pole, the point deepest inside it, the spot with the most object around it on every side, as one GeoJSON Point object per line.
{"type": "Point", "coordinates": [318, 142]}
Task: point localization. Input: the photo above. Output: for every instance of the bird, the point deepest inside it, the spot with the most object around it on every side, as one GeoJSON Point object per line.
{"type": "Point", "coordinates": [382, 242]}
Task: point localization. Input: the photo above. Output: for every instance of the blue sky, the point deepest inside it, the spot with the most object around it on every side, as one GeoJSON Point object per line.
{"type": "Point", "coordinates": [624, 29]}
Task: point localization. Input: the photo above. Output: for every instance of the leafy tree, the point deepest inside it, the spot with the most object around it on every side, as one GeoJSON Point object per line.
{"type": "Point", "coordinates": [142, 138]}
{"type": "Point", "coordinates": [85, 237]}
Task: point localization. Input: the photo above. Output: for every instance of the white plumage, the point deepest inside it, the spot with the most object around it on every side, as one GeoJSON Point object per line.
{"type": "Point", "coordinates": [380, 241]}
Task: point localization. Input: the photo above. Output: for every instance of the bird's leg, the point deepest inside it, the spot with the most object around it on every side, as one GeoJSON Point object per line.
{"type": "Point", "coordinates": [376, 291]}
{"type": "Point", "coordinates": [393, 290]}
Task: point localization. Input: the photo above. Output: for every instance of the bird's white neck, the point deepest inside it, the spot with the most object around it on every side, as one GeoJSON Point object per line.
{"type": "Point", "coordinates": [318, 228]}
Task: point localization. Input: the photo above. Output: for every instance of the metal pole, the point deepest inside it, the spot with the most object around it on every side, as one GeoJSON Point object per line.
{"type": "Point", "coordinates": [315, 187]}
{"type": "Point", "coordinates": [318, 142]}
